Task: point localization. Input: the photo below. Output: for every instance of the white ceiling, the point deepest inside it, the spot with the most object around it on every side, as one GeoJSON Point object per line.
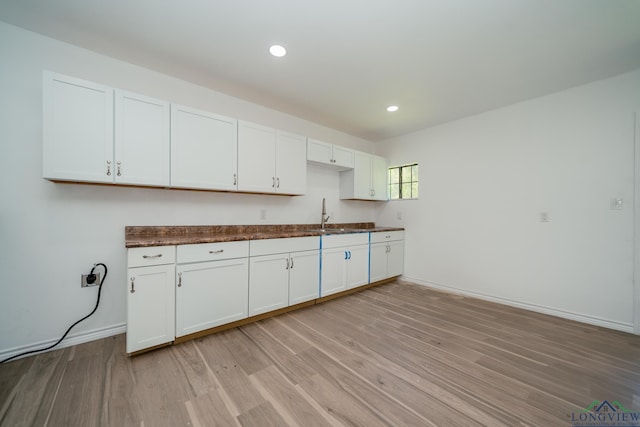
{"type": "Point", "coordinates": [439, 60]}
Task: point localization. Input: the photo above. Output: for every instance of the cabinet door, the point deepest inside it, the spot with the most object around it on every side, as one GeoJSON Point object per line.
{"type": "Point", "coordinates": [268, 283]}
{"type": "Point", "coordinates": [319, 152]}
{"type": "Point", "coordinates": [343, 157]}
{"type": "Point", "coordinates": [150, 306]}
{"type": "Point", "coordinates": [333, 271]}
{"type": "Point", "coordinates": [304, 276]}
{"type": "Point", "coordinates": [378, 262]}
{"type": "Point", "coordinates": [362, 176]}
{"type": "Point", "coordinates": [77, 130]}
{"type": "Point", "coordinates": [291, 163]}
{"type": "Point", "coordinates": [256, 158]}
{"type": "Point", "coordinates": [142, 148]}
{"type": "Point", "coordinates": [210, 294]}
{"type": "Point", "coordinates": [357, 266]}
{"type": "Point", "coordinates": [395, 258]}
{"type": "Point", "coordinates": [379, 176]}
{"type": "Point", "coordinates": [203, 150]}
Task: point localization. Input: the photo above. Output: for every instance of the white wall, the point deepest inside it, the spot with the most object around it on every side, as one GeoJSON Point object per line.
{"type": "Point", "coordinates": [52, 233]}
{"type": "Point", "coordinates": [484, 181]}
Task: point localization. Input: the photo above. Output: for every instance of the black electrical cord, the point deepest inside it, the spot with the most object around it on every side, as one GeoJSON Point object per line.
{"type": "Point", "coordinates": [70, 327]}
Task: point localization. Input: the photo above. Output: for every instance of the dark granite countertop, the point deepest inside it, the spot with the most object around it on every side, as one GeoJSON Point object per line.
{"type": "Point", "coordinates": [144, 236]}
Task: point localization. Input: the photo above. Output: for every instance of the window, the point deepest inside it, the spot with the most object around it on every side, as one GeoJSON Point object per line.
{"type": "Point", "coordinates": [403, 182]}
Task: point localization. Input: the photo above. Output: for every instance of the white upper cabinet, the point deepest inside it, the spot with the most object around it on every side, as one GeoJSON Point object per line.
{"type": "Point", "coordinates": [203, 150]}
{"type": "Point", "coordinates": [95, 133]}
{"type": "Point", "coordinates": [333, 156]}
{"type": "Point", "coordinates": [291, 164]}
{"type": "Point", "coordinates": [379, 177]}
{"type": "Point", "coordinates": [77, 130]}
{"type": "Point", "coordinates": [256, 158]}
{"type": "Point", "coordinates": [142, 147]}
{"type": "Point", "coordinates": [367, 180]}
{"type": "Point", "coordinates": [270, 161]}
{"type": "Point", "coordinates": [79, 142]}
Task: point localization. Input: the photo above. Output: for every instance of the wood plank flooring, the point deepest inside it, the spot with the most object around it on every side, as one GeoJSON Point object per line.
{"type": "Point", "coordinates": [393, 355]}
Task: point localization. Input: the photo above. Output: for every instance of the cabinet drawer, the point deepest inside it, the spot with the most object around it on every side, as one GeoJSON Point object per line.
{"type": "Point", "coordinates": [153, 255]}
{"type": "Point", "coordinates": [286, 245]}
{"type": "Point", "coordinates": [386, 236]}
{"type": "Point", "coordinates": [212, 251]}
{"type": "Point", "coordinates": [339, 240]}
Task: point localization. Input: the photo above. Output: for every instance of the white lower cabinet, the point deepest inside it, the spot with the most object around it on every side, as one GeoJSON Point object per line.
{"type": "Point", "coordinates": [282, 272]}
{"type": "Point", "coordinates": [150, 297]}
{"type": "Point", "coordinates": [387, 255]}
{"type": "Point", "coordinates": [211, 293]}
{"type": "Point", "coordinates": [304, 277]}
{"type": "Point", "coordinates": [174, 291]}
{"type": "Point", "coordinates": [345, 262]}
{"type": "Point", "coordinates": [268, 283]}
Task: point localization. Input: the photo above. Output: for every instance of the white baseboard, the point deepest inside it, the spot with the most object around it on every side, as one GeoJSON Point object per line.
{"type": "Point", "coordinates": [591, 320]}
{"type": "Point", "coordinates": [70, 340]}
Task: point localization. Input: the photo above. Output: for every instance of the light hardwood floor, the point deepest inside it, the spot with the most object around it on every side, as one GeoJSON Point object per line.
{"type": "Point", "coordinates": [397, 354]}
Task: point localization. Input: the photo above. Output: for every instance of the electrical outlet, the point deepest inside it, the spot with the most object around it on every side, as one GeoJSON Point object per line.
{"type": "Point", "coordinates": [617, 204]}
{"type": "Point", "coordinates": [83, 280]}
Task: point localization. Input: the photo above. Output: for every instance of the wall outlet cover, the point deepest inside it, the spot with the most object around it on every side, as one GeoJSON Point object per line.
{"type": "Point", "coordinates": [617, 203]}
{"type": "Point", "coordinates": [83, 281]}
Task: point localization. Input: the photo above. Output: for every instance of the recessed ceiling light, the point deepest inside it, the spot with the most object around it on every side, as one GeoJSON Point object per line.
{"type": "Point", "coordinates": [278, 51]}
{"type": "Point", "coordinates": [392, 108]}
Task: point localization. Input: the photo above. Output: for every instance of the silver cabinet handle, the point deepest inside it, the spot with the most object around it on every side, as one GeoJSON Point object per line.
{"type": "Point", "coordinates": [219, 251]}
{"type": "Point", "coordinates": [118, 164]}
{"type": "Point", "coordinates": [133, 291]}
{"type": "Point", "coordinates": [291, 262]}
{"type": "Point", "coordinates": [273, 182]}
{"type": "Point", "coordinates": [152, 256]}
{"type": "Point", "coordinates": [179, 280]}
{"type": "Point", "coordinates": [278, 182]}
{"type": "Point", "coordinates": [108, 167]}
{"type": "Point", "coordinates": [287, 262]}
{"type": "Point", "coordinates": [235, 179]}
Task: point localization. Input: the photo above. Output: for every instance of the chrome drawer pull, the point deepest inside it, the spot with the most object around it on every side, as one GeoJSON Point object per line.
{"type": "Point", "coordinates": [219, 251]}
{"type": "Point", "coordinates": [133, 291]}
{"type": "Point", "coordinates": [151, 256]}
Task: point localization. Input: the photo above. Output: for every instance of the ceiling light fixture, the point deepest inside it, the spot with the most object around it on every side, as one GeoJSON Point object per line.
{"type": "Point", "coordinates": [392, 108]}
{"type": "Point", "coordinates": [277, 51]}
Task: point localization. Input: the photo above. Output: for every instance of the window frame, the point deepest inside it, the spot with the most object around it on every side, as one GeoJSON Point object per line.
{"type": "Point", "coordinates": [401, 182]}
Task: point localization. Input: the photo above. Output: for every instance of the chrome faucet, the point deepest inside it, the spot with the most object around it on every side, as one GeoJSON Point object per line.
{"type": "Point", "coordinates": [324, 217]}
